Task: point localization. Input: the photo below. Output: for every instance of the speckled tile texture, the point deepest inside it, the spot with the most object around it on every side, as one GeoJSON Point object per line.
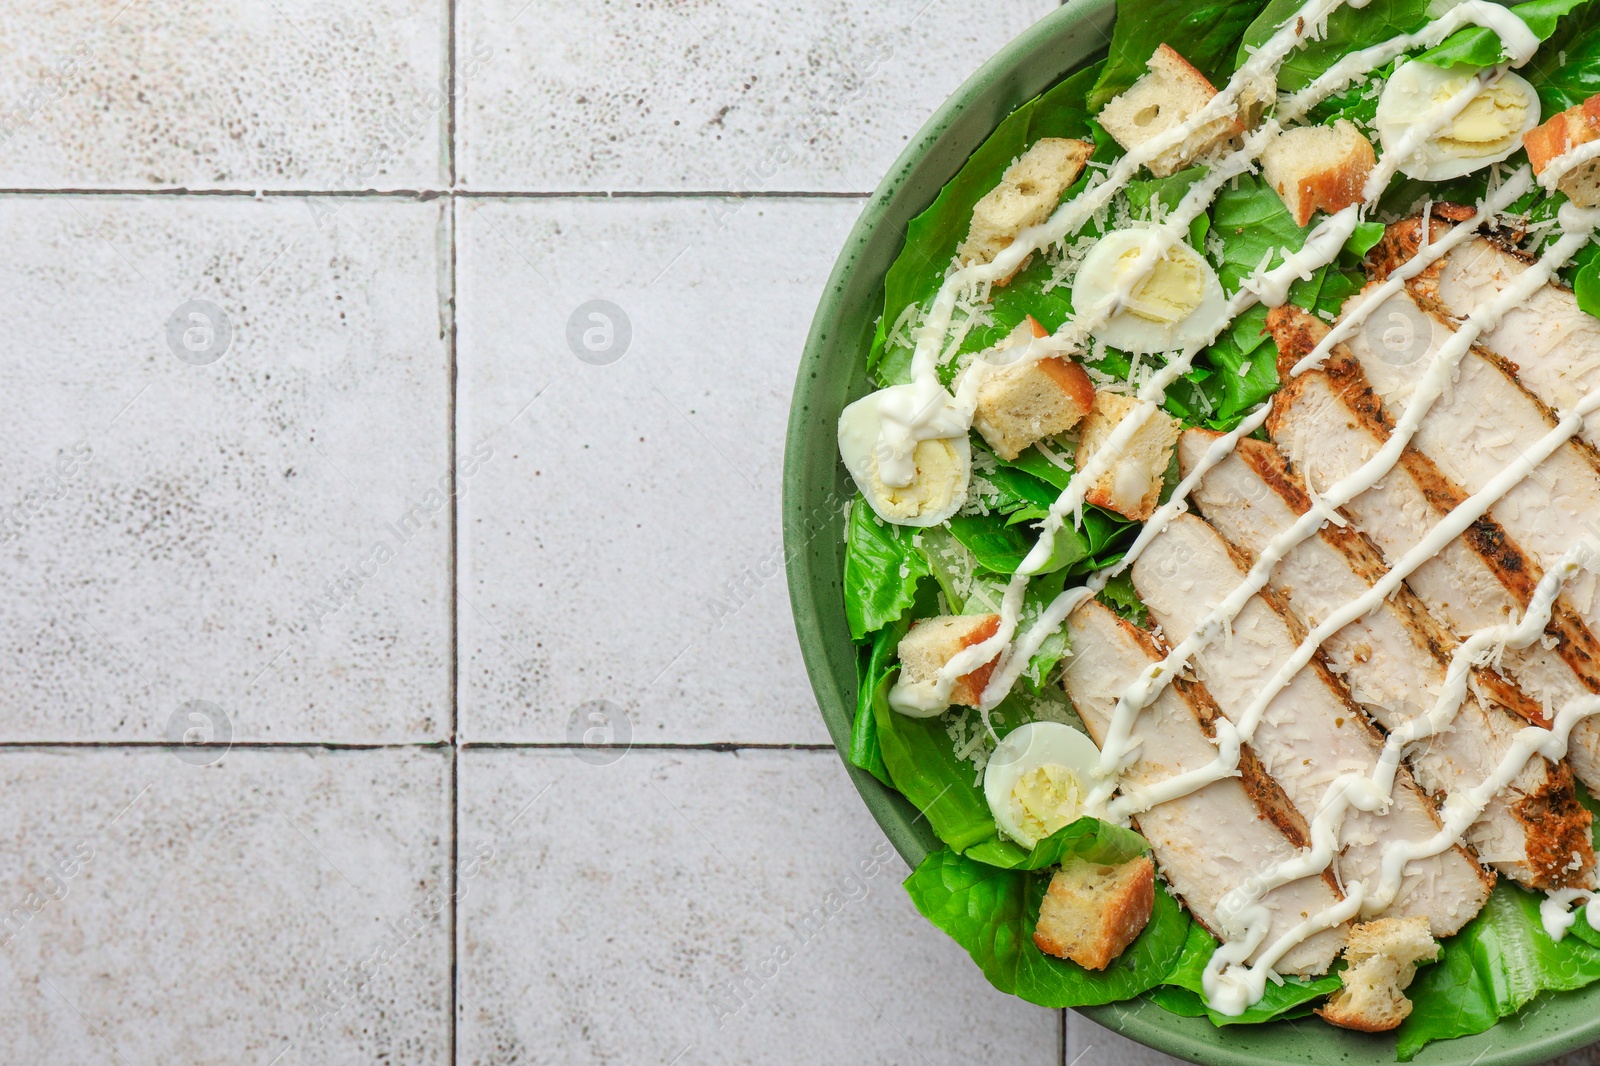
{"type": "Point", "coordinates": [229, 94]}
{"type": "Point", "coordinates": [694, 920]}
{"type": "Point", "coordinates": [622, 544]}
{"type": "Point", "coordinates": [577, 95]}
{"type": "Point", "coordinates": [282, 906]}
{"type": "Point", "coordinates": [223, 434]}
{"type": "Point", "coordinates": [398, 665]}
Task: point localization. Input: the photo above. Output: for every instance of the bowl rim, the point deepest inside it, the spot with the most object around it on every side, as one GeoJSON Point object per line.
{"type": "Point", "coordinates": [1050, 49]}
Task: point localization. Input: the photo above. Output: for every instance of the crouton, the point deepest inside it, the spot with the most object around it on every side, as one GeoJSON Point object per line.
{"type": "Point", "coordinates": [1091, 913]}
{"type": "Point", "coordinates": [1133, 484]}
{"type": "Point", "coordinates": [932, 642]}
{"type": "Point", "coordinates": [1028, 192]}
{"type": "Point", "coordinates": [1383, 957]}
{"type": "Point", "coordinates": [1029, 401]}
{"type": "Point", "coordinates": [1578, 124]}
{"type": "Point", "coordinates": [1160, 100]}
{"type": "Point", "coordinates": [1318, 168]}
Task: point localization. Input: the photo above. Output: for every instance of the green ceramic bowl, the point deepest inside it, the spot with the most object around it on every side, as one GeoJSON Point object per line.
{"type": "Point", "coordinates": [832, 374]}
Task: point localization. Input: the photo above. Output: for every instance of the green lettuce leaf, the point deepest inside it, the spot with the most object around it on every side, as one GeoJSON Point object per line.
{"type": "Point", "coordinates": [1479, 47]}
{"type": "Point", "coordinates": [1491, 969]}
{"type": "Point", "coordinates": [1205, 32]}
{"type": "Point", "coordinates": [992, 914]}
{"type": "Point", "coordinates": [881, 570]}
{"type": "Point", "coordinates": [1087, 838]}
{"type": "Point", "coordinates": [918, 755]}
{"type": "Point", "coordinates": [1119, 595]}
{"type": "Point", "coordinates": [1568, 74]}
{"type": "Point", "coordinates": [1183, 993]}
{"type": "Point", "coordinates": [1349, 28]}
{"type": "Point", "coordinates": [932, 237]}
{"type": "Point", "coordinates": [969, 589]}
{"type": "Point", "coordinates": [872, 688]}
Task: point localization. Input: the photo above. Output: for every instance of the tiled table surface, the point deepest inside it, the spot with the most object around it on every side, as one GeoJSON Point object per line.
{"type": "Point", "coordinates": [276, 270]}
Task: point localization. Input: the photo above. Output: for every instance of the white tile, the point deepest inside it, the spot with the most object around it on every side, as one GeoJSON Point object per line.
{"type": "Point", "coordinates": [722, 96]}
{"type": "Point", "coordinates": [285, 94]}
{"type": "Point", "coordinates": [1090, 1044]}
{"type": "Point", "coordinates": [170, 529]}
{"type": "Point", "coordinates": [624, 899]}
{"type": "Point", "coordinates": [167, 912]}
{"type": "Point", "coordinates": [623, 543]}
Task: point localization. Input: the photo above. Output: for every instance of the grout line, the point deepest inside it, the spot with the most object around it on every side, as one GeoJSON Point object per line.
{"type": "Point", "coordinates": [407, 745]}
{"type": "Point", "coordinates": [453, 555]}
{"type": "Point", "coordinates": [264, 745]}
{"type": "Point", "coordinates": [713, 745]}
{"type": "Point", "coordinates": [435, 194]}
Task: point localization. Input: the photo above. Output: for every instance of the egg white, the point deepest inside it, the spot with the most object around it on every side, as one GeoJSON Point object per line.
{"type": "Point", "coordinates": [1408, 99]}
{"type": "Point", "coordinates": [1025, 749]}
{"type": "Point", "coordinates": [944, 467]}
{"type": "Point", "coordinates": [1129, 330]}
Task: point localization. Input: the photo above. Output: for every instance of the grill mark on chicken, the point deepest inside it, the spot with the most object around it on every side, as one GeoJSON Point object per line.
{"type": "Point", "coordinates": [1296, 334]}
{"type": "Point", "coordinates": [1312, 730]}
{"type": "Point", "coordinates": [1251, 810]}
{"type": "Point", "coordinates": [1523, 816]}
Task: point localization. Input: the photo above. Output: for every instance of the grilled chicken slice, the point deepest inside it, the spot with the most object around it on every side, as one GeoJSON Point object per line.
{"type": "Point", "coordinates": [1394, 661]}
{"type": "Point", "coordinates": [1483, 424]}
{"type": "Point", "coordinates": [1328, 423]}
{"type": "Point", "coordinates": [1312, 732]}
{"type": "Point", "coordinates": [1551, 345]}
{"type": "Point", "coordinates": [1220, 836]}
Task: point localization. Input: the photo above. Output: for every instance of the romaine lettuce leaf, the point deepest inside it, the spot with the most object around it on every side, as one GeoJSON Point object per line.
{"type": "Point", "coordinates": [992, 913]}
{"type": "Point", "coordinates": [1348, 28]}
{"type": "Point", "coordinates": [1491, 969]}
{"type": "Point", "coordinates": [921, 761]}
{"type": "Point", "coordinates": [881, 570]}
{"type": "Point", "coordinates": [932, 237]}
{"type": "Point", "coordinates": [1477, 46]}
{"type": "Point", "coordinates": [1185, 980]}
{"type": "Point", "coordinates": [1088, 838]}
{"type": "Point", "coordinates": [1205, 32]}
{"type": "Point", "coordinates": [1568, 74]}
{"type": "Point", "coordinates": [872, 688]}
{"type": "Point", "coordinates": [1119, 595]}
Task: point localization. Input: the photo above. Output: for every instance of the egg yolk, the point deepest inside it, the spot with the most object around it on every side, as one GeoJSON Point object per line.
{"type": "Point", "coordinates": [1168, 293]}
{"type": "Point", "coordinates": [933, 487]}
{"type": "Point", "coordinates": [1493, 119]}
{"type": "Point", "coordinates": [1045, 799]}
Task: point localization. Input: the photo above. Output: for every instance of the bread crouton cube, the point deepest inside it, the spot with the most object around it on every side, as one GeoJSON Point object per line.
{"type": "Point", "coordinates": [1318, 168]}
{"type": "Point", "coordinates": [1091, 913]}
{"type": "Point", "coordinates": [1382, 957]}
{"type": "Point", "coordinates": [1167, 96]}
{"type": "Point", "coordinates": [1029, 401]}
{"type": "Point", "coordinates": [1028, 192]}
{"type": "Point", "coordinates": [1560, 134]}
{"type": "Point", "coordinates": [1132, 486]}
{"type": "Point", "coordinates": [932, 642]}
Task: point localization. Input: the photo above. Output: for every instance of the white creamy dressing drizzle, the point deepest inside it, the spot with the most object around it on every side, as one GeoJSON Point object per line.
{"type": "Point", "coordinates": [933, 404]}
{"type": "Point", "coordinates": [1229, 984]}
{"type": "Point", "coordinates": [1121, 747]}
{"type": "Point", "coordinates": [929, 410]}
{"type": "Point", "coordinates": [1429, 252]}
{"type": "Point", "coordinates": [1567, 162]}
